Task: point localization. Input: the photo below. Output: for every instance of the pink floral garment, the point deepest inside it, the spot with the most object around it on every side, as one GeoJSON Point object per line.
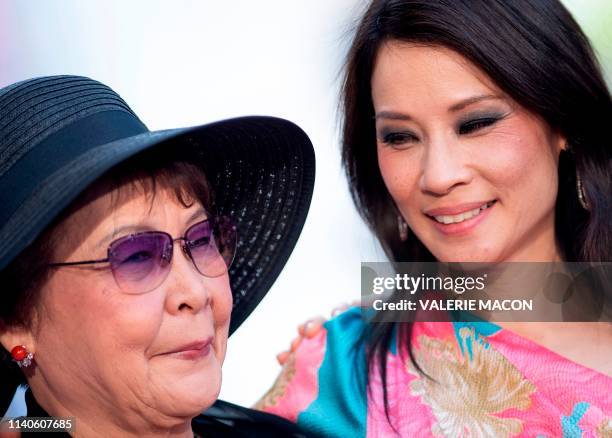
{"type": "Point", "coordinates": [486, 382]}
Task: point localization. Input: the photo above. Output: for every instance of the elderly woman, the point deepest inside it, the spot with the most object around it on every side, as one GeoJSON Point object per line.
{"type": "Point", "coordinates": [474, 131]}
{"type": "Point", "coordinates": [127, 257]}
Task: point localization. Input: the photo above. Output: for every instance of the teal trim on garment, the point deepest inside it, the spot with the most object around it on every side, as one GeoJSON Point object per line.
{"type": "Point", "coordinates": [393, 346]}
{"type": "Point", "coordinates": [570, 423]}
{"type": "Point", "coordinates": [368, 315]}
{"type": "Point", "coordinates": [340, 409]}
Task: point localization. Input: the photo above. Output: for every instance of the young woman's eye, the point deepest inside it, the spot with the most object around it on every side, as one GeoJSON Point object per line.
{"type": "Point", "coordinates": [398, 138]}
{"type": "Point", "coordinates": [475, 125]}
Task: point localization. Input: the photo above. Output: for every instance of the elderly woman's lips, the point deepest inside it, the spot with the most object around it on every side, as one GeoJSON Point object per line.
{"type": "Point", "coordinates": [193, 350]}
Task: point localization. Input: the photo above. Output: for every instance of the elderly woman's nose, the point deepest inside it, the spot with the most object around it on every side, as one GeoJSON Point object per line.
{"type": "Point", "coordinates": [185, 286]}
{"type": "Point", "coordinates": [443, 167]}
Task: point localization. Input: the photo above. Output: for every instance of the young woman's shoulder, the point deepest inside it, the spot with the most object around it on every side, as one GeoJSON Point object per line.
{"type": "Point", "coordinates": [322, 386]}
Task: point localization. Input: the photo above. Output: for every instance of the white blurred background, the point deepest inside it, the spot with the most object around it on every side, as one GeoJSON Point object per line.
{"type": "Point", "coordinates": [180, 63]}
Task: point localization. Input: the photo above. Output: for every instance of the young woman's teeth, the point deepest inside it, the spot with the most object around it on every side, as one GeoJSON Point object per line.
{"type": "Point", "coordinates": [462, 216]}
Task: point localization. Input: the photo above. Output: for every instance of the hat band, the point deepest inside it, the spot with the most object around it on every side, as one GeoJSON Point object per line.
{"type": "Point", "coordinates": [59, 149]}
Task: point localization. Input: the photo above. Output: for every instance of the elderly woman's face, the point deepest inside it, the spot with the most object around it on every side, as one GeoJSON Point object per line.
{"type": "Point", "coordinates": [473, 174]}
{"type": "Point", "coordinates": [98, 348]}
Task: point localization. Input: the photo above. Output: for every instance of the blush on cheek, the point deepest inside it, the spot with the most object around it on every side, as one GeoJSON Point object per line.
{"type": "Point", "coordinates": [504, 155]}
{"type": "Point", "coordinates": [524, 146]}
{"type": "Point", "coordinates": [110, 321]}
{"type": "Point", "coordinates": [67, 305]}
{"type": "Point", "coordinates": [399, 177]}
{"type": "Point", "coordinates": [137, 321]}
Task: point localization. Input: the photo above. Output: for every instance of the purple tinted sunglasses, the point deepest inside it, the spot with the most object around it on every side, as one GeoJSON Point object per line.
{"type": "Point", "coordinates": [140, 262]}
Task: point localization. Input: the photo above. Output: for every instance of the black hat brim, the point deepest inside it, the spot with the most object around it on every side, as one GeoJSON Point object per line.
{"type": "Point", "coordinates": [262, 173]}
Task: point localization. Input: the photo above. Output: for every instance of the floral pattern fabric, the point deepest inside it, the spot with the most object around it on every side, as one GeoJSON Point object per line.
{"type": "Point", "coordinates": [475, 380]}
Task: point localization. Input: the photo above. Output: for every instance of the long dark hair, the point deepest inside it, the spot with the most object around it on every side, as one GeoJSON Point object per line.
{"type": "Point", "coordinates": [538, 55]}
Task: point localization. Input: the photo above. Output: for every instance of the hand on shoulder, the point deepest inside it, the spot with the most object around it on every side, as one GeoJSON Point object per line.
{"type": "Point", "coordinates": [309, 329]}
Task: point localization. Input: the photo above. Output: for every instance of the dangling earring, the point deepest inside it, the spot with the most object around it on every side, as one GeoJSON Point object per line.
{"type": "Point", "coordinates": [22, 356]}
{"type": "Point", "coordinates": [402, 227]}
{"type": "Point", "coordinates": [580, 190]}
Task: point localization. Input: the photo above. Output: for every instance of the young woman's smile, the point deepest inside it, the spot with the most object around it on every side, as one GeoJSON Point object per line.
{"type": "Point", "coordinates": [460, 218]}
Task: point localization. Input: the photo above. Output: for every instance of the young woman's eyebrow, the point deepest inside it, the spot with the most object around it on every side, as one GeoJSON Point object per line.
{"type": "Point", "coordinates": [471, 100]}
{"type": "Point", "coordinates": [392, 115]}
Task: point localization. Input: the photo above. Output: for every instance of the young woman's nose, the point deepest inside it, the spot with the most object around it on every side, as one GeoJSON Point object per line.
{"type": "Point", "coordinates": [443, 166]}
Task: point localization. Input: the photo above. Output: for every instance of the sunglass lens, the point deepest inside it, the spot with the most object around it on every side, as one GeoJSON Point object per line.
{"type": "Point", "coordinates": [141, 262]}
{"type": "Point", "coordinates": [212, 245]}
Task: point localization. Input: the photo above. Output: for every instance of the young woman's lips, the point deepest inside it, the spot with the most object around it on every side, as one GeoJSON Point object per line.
{"type": "Point", "coordinates": [460, 219]}
{"type": "Point", "coordinates": [192, 351]}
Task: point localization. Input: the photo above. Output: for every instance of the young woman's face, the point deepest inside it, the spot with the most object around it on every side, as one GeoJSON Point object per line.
{"type": "Point", "coordinates": [473, 174]}
{"type": "Point", "coordinates": [144, 359]}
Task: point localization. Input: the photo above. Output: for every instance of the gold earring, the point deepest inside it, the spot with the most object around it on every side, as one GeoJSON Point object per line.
{"type": "Point", "coordinates": [402, 227]}
{"type": "Point", "coordinates": [581, 195]}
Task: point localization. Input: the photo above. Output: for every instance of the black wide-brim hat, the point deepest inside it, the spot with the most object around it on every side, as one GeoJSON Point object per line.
{"type": "Point", "coordinates": [59, 134]}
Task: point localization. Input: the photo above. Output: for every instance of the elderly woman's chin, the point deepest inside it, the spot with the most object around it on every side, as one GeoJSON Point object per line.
{"type": "Point", "coordinates": [185, 388]}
